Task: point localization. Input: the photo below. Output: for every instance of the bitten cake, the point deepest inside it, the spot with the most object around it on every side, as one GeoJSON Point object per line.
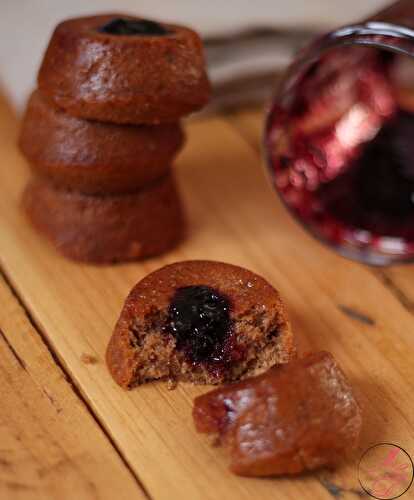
{"type": "Point", "coordinates": [202, 322]}
{"type": "Point", "coordinates": [93, 157]}
{"type": "Point", "coordinates": [124, 69]}
{"type": "Point", "coordinates": [107, 229]}
{"type": "Point", "coordinates": [293, 418]}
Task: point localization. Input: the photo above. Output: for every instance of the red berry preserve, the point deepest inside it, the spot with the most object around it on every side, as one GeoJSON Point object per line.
{"type": "Point", "coordinates": [340, 138]}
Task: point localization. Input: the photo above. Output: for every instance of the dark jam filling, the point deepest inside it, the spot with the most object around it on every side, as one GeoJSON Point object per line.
{"type": "Point", "coordinates": [199, 319]}
{"type": "Point", "coordinates": [377, 192]}
{"type": "Point", "coordinates": [141, 27]}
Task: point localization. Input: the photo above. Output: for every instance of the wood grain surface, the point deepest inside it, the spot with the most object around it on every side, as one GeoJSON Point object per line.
{"type": "Point", "coordinates": [50, 445]}
{"type": "Point", "coordinates": [146, 437]}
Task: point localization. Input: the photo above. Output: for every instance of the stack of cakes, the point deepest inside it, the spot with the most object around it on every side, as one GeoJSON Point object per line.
{"type": "Point", "coordinates": [101, 131]}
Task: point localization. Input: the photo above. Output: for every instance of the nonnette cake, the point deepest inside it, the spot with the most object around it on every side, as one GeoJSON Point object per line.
{"type": "Point", "coordinates": [121, 69]}
{"type": "Point", "coordinates": [294, 418]}
{"type": "Point", "coordinates": [94, 157]}
{"type": "Point", "coordinates": [202, 322]}
{"type": "Point", "coordinates": [210, 323]}
{"type": "Point", "coordinates": [102, 130]}
{"type": "Point", "coordinates": [110, 228]}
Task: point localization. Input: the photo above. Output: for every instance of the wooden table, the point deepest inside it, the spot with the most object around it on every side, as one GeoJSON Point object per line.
{"type": "Point", "coordinates": [67, 431]}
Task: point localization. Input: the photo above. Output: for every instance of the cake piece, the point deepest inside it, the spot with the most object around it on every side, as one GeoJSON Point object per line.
{"type": "Point", "coordinates": [106, 229]}
{"type": "Point", "coordinates": [199, 321]}
{"type": "Point", "coordinates": [293, 418]}
{"type": "Point", "coordinates": [122, 69]}
{"type": "Point", "coordinates": [93, 157]}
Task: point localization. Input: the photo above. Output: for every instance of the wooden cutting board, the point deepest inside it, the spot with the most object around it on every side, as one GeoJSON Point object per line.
{"type": "Point", "coordinates": [68, 431]}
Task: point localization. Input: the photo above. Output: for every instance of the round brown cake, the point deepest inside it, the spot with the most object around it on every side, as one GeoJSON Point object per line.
{"type": "Point", "coordinates": [202, 322]}
{"type": "Point", "coordinates": [106, 229]}
{"type": "Point", "coordinates": [123, 69]}
{"type": "Point", "coordinates": [93, 157]}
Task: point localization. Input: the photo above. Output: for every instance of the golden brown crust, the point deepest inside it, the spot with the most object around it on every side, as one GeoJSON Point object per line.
{"type": "Point", "coordinates": [104, 229]}
{"type": "Point", "coordinates": [94, 157]}
{"type": "Point", "coordinates": [124, 79]}
{"type": "Point", "coordinates": [251, 297]}
{"type": "Point", "coordinates": [296, 417]}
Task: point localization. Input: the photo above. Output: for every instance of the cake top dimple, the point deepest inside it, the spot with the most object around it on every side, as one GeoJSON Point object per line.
{"type": "Point", "coordinates": [128, 27]}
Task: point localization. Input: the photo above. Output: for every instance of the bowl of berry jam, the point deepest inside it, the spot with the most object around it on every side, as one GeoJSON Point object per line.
{"type": "Point", "coordinates": [339, 138]}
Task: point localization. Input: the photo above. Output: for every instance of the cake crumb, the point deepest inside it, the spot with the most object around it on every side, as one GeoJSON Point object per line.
{"type": "Point", "coordinates": [171, 384]}
{"type": "Point", "coordinates": [88, 359]}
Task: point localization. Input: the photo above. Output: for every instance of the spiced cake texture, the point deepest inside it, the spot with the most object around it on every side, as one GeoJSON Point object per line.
{"type": "Point", "coordinates": [102, 130]}
{"type": "Point", "coordinates": [94, 157]}
{"type": "Point", "coordinates": [98, 68]}
{"type": "Point", "coordinates": [294, 418]}
{"type": "Point", "coordinates": [202, 322]}
{"type": "Point", "coordinates": [106, 229]}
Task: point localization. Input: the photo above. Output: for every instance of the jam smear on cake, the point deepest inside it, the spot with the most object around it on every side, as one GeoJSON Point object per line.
{"type": "Point", "coordinates": [199, 319]}
{"type": "Point", "coordinates": [141, 27]}
{"type": "Point", "coordinates": [293, 418]}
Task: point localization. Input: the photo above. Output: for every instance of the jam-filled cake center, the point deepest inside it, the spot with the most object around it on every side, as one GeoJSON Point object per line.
{"type": "Point", "coordinates": [141, 27]}
{"type": "Point", "coordinates": [199, 319]}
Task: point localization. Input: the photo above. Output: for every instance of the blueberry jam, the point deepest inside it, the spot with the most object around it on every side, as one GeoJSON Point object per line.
{"type": "Point", "coordinates": [141, 27]}
{"type": "Point", "coordinates": [376, 193]}
{"type": "Point", "coordinates": [199, 319]}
